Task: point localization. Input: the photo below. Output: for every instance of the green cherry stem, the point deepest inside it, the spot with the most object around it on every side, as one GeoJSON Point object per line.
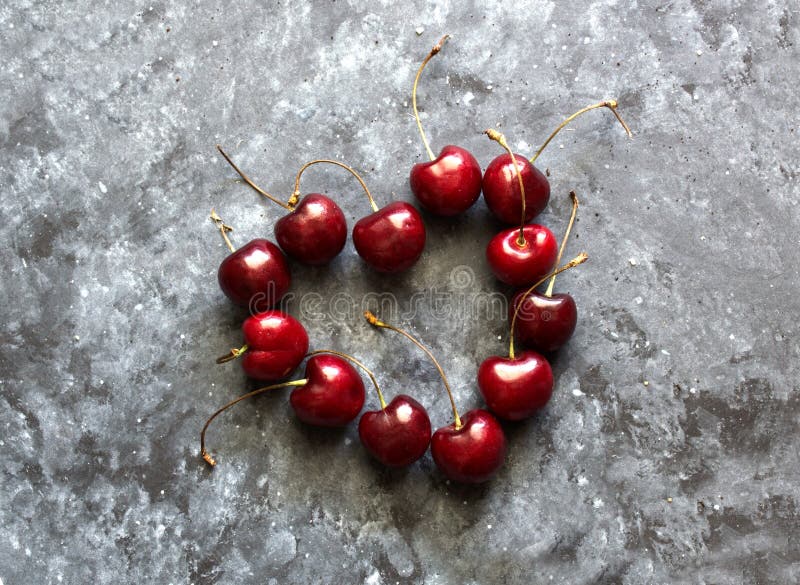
{"type": "Point", "coordinates": [296, 194]}
{"type": "Point", "coordinates": [205, 454]}
{"type": "Point", "coordinates": [251, 184]}
{"type": "Point", "coordinates": [610, 104]}
{"type": "Point", "coordinates": [436, 48]}
{"type": "Point", "coordinates": [374, 321]}
{"type": "Point", "coordinates": [551, 284]}
{"type": "Point", "coordinates": [223, 229]}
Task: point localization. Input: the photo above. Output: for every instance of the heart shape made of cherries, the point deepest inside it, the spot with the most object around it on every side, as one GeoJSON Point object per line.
{"type": "Point", "coordinates": [391, 239]}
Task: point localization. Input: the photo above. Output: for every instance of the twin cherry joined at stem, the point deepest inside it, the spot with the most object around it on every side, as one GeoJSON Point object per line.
{"type": "Point", "coordinates": [390, 239]}
{"type": "Point", "coordinates": [472, 448]}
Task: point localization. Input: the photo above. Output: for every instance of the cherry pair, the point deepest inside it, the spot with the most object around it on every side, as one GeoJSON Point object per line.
{"type": "Point", "coordinates": [390, 239]}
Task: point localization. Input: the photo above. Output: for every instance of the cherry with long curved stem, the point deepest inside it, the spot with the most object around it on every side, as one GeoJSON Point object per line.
{"type": "Point", "coordinates": [547, 321]}
{"type": "Point", "coordinates": [450, 183]}
{"type": "Point", "coordinates": [579, 259]}
{"type": "Point", "coordinates": [256, 272]}
{"type": "Point", "coordinates": [473, 447]}
{"type": "Point", "coordinates": [302, 383]}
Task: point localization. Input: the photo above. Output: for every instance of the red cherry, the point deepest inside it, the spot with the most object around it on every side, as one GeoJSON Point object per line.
{"type": "Point", "coordinates": [275, 345]}
{"type": "Point", "coordinates": [449, 184]}
{"type": "Point", "coordinates": [255, 276]}
{"type": "Point", "coordinates": [398, 434]}
{"type": "Point", "coordinates": [544, 323]}
{"type": "Point", "coordinates": [520, 263]}
{"type": "Point", "coordinates": [333, 394]}
{"type": "Point", "coordinates": [473, 452]}
{"type": "Point", "coordinates": [515, 389]}
{"type": "Point", "coordinates": [501, 189]}
{"type": "Point", "coordinates": [391, 239]}
{"type": "Point", "coordinates": [315, 232]}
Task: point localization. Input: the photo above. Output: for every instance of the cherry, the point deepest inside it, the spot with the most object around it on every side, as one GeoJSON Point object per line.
{"type": "Point", "coordinates": [392, 238]}
{"type": "Point", "coordinates": [330, 395]}
{"type": "Point", "coordinates": [472, 451]}
{"type": "Point", "coordinates": [501, 190]}
{"type": "Point", "coordinates": [275, 344]}
{"type": "Point", "coordinates": [333, 394]}
{"type": "Point", "coordinates": [315, 229]}
{"type": "Point", "coordinates": [518, 257]}
{"type": "Point", "coordinates": [450, 183]}
{"type": "Point", "coordinates": [547, 321]}
{"type": "Point", "coordinates": [469, 450]}
{"type": "Point", "coordinates": [256, 275]}
{"type": "Point", "coordinates": [516, 387]}
{"type": "Point", "coordinates": [504, 197]}
{"type": "Point", "coordinates": [398, 434]}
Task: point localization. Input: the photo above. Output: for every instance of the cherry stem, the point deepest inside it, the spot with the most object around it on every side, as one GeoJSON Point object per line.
{"type": "Point", "coordinates": [251, 184]}
{"type": "Point", "coordinates": [436, 48]}
{"type": "Point", "coordinates": [296, 195]}
{"type": "Point", "coordinates": [551, 284]}
{"type": "Point", "coordinates": [360, 365]}
{"type": "Point", "coordinates": [205, 454]}
{"type": "Point", "coordinates": [235, 353]}
{"type": "Point", "coordinates": [579, 259]}
{"type": "Point", "coordinates": [501, 140]}
{"type": "Point", "coordinates": [373, 320]}
{"type": "Point", "coordinates": [223, 229]}
{"type": "Point", "coordinates": [610, 104]}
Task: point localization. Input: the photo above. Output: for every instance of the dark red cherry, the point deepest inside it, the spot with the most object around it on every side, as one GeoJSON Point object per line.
{"type": "Point", "coordinates": [276, 344]}
{"type": "Point", "coordinates": [448, 185]}
{"type": "Point", "coordinates": [472, 453]}
{"type": "Point", "coordinates": [544, 323]}
{"type": "Point", "coordinates": [396, 435]}
{"type": "Point", "coordinates": [522, 264]}
{"type": "Point", "coordinates": [515, 388]}
{"type": "Point", "coordinates": [256, 275]}
{"type": "Point", "coordinates": [501, 189]}
{"type": "Point", "coordinates": [391, 239]}
{"type": "Point", "coordinates": [315, 232]}
{"type": "Point", "coordinates": [333, 395]}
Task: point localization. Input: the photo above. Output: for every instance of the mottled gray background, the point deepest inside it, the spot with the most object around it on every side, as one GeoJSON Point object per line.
{"type": "Point", "coordinates": [112, 315]}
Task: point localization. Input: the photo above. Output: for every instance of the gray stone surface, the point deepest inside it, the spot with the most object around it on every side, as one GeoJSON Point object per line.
{"type": "Point", "coordinates": [112, 316]}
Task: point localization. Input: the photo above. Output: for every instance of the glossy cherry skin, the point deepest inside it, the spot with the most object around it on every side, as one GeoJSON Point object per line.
{"type": "Point", "coordinates": [515, 389]}
{"type": "Point", "coordinates": [276, 344]}
{"type": "Point", "coordinates": [397, 435]}
{"type": "Point", "coordinates": [391, 239]}
{"type": "Point", "coordinates": [256, 275]}
{"type": "Point", "coordinates": [449, 184]}
{"type": "Point", "coordinates": [333, 395]}
{"type": "Point", "coordinates": [315, 232]}
{"type": "Point", "coordinates": [521, 265]}
{"type": "Point", "coordinates": [473, 453]}
{"type": "Point", "coordinates": [501, 189]}
{"type": "Point", "coordinates": [544, 323]}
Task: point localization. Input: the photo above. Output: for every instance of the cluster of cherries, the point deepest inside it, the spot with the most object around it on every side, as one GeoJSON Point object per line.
{"type": "Point", "coordinates": [391, 239]}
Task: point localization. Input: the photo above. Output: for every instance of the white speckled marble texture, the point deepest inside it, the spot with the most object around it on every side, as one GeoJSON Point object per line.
{"type": "Point", "coordinates": [112, 316]}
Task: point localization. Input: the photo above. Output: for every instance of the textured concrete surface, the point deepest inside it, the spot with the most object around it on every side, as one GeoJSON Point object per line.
{"type": "Point", "coordinates": [112, 316]}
